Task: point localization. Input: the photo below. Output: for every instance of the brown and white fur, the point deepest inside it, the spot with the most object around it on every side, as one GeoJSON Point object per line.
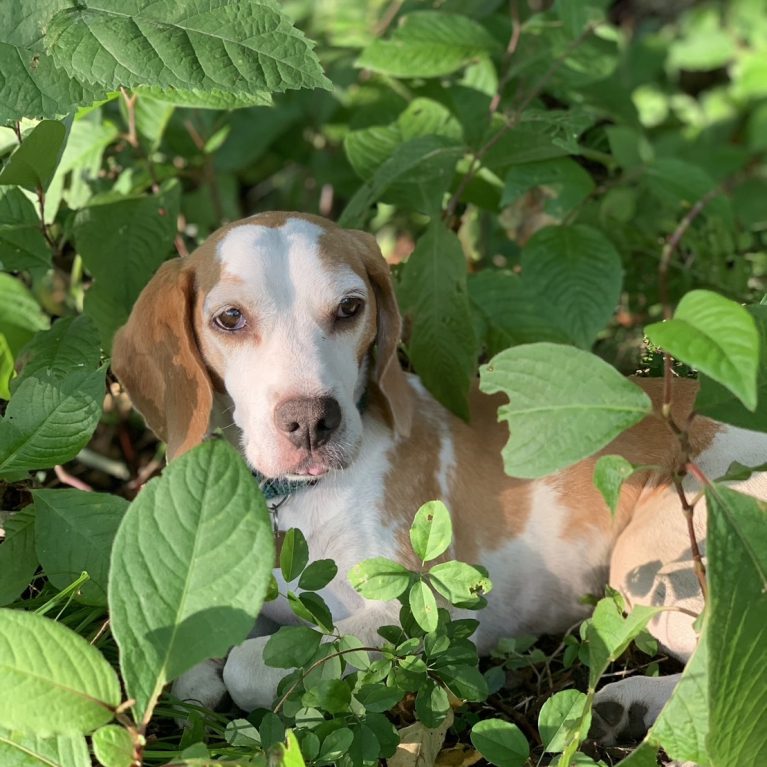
{"type": "Point", "coordinates": [546, 542]}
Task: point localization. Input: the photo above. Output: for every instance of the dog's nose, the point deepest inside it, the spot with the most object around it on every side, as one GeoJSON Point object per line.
{"type": "Point", "coordinates": [308, 422]}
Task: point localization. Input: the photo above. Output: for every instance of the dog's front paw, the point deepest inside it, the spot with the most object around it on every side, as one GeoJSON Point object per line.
{"type": "Point", "coordinates": [625, 710]}
{"type": "Point", "coordinates": [250, 682]}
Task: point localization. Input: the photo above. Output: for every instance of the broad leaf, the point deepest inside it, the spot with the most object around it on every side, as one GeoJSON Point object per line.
{"type": "Point", "coordinates": [717, 337]}
{"type": "Point", "coordinates": [113, 746]}
{"type": "Point", "coordinates": [432, 531]}
{"type": "Point", "coordinates": [18, 560]}
{"type": "Point", "coordinates": [737, 629]}
{"type": "Point", "coordinates": [20, 314]}
{"type": "Point", "coordinates": [23, 750]}
{"type": "Point", "coordinates": [177, 594]}
{"type": "Point", "coordinates": [379, 578]}
{"type": "Point", "coordinates": [317, 575]}
{"type": "Point", "coordinates": [610, 472]}
{"type": "Point", "coordinates": [243, 47]}
{"type": "Point", "coordinates": [432, 704]}
{"type": "Point", "coordinates": [294, 554]}
{"type": "Point", "coordinates": [458, 582]}
{"type": "Point", "coordinates": [442, 345]}
{"type": "Point", "coordinates": [562, 719]}
{"type": "Point", "coordinates": [74, 531]}
{"type": "Point", "coordinates": [428, 44]}
{"type": "Point", "coordinates": [556, 419]}
{"type": "Point", "coordinates": [49, 420]}
{"type": "Point", "coordinates": [34, 161]}
{"type": "Point", "coordinates": [423, 606]}
{"type": "Point", "coordinates": [62, 685]}
{"type": "Point", "coordinates": [22, 245]}
{"type": "Point", "coordinates": [501, 743]}
{"type": "Point", "coordinates": [291, 646]}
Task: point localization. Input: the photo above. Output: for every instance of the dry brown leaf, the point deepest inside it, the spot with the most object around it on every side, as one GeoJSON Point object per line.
{"type": "Point", "coordinates": [419, 746]}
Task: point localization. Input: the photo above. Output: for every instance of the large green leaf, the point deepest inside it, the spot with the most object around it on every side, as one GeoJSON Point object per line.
{"type": "Point", "coordinates": [49, 420]}
{"type": "Point", "coordinates": [74, 531]}
{"type": "Point", "coordinates": [61, 685]}
{"type": "Point", "coordinates": [737, 616]}
{"type": "Point", "coordinates": [564, 404]}
{"type": "Point", "coordinates": [122, 243]}
{"type": "Point", "coordinates": [22, 245]}
{"type": "Point", "coordinates": [18, 560]}
{"type": "Point", "coordinates": [718, 337]}
{"type": "Point", "coordinates": [190, 567]}
{"type": "Point", "coordinates": [24, 750]}
{"type": "Point", "coordinates": [20, 315]}
{"type": "Point", "coordinates": [501, 743]}
{"type": "Point", "coordinates": [442, 344]}
{"type": "Point", "coordinates": [33, 163]}
{"type": "Point", "coordinates": [428, 44]}
{"type": "Point", "coordinates": [718, 402]}
{"type": "Point", "coordinates": [238, 46]}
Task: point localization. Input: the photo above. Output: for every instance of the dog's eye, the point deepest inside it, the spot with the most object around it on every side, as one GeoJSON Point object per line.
{"type": "Point", "coordinates": [348, 307]}
{"type": "Point", "coordinates": [230, 319]}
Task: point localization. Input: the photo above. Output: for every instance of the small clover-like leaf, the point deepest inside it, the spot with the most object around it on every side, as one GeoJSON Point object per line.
{"type": "Point", "coordinates": [431, 531]}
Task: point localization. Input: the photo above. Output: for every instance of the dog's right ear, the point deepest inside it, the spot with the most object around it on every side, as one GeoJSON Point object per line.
{"type": "Point", "coordinates": [156, 358]}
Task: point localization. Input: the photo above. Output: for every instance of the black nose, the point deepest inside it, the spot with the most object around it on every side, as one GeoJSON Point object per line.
{"type": "Point", "coordinates": [308, 422]}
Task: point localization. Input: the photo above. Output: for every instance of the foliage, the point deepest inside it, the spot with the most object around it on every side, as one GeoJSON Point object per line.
{"type": "Point", "coordinates": [531, 160]}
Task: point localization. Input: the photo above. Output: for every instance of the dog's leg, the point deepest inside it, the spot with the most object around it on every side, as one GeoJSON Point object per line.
{"type": "Point", "coordinates": [202, 684]}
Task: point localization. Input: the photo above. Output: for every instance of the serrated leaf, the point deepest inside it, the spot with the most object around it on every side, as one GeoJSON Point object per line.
{"type": "Point", "coordinates": [442, 346]}
{"type": "Point", "coordinates": [122, 243]}
{"type": "Point", "coordinates": [74, 531]}
{"type": "Point", "coordinates": [24, 750]}
{"type": "Point", "coordinates": [177, 594]}
{"type": "Point", "coordinates": [33, 163]}
{"type": "Point", "coordinates": [18, 559]}
{"type": "Point", "coordinates": [737, 624]}
{"type": "Point", "coordinates": [291, 647]}
{"type": "Point", "coordinates": [423, 606]}
{"type": "Point", "coordinates": [317, 575]}
{"type": "Point", "coordinates": [562, 718]}
{"type": "Point", "coordinates": [716, 336]}
{"type": "Point", "coordinates": [49, 420]}
{"type": "Point", "coordinates": [206, 99]}
{"type": "Point", "coordinates": [501, 743]}
{"type": "Point", "coordinates": [240, 47]}
{"type": "Point", "coordinates": [379, 578]}
{"type": "Point", "coordinates": [719, 403]}
{"type": "Point", "coordinates": [62, 685]}
{"type": "Point", "coordinates": [428, 44]}
{"type": "Point", "coordinates": [610, 472]}
{"type": "Point", "coordinates": [432, 531]}
{"type": "Point", "coordinates": [113, 746]}
{"type": "Point", "coordinates": [557, 420]}
{"type": "Point", "coordinates": [22, 245]}
{"type": "Point", "coordinates": [294, 554]}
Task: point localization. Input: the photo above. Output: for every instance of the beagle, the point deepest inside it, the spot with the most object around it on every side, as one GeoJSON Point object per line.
{"type": "Point", "coordinates": [276, 328]}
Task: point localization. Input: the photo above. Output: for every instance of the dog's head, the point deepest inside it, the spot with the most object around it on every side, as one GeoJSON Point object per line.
{"type": "Point", "coordinates": [280, 314]}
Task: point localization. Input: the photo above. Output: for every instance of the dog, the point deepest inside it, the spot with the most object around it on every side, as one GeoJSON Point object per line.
{"type": "Point", "coordinates": [283, 330]}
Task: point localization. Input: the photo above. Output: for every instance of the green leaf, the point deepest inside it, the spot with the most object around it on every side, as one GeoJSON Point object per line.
{"type": "Point", "coordinates": [359, 660]}
{"type": "Point", "coordinates": [737, 615]}
{"type": "Point", "coordinates": [432, 531]}
{"type": "Point", "coordinates": [49, 420]}
{"type": "Point", "coordinates": [562, 719]}
{"type": "Point", "coordinates": [239, 47]}
{"type": "Point", "coordinates": [432, 704]}
{"type": "Point", "coordinates": [416, 176]}
{"type": "Point", "coordinates": [500, 742]}
{"type": "Point", "coordinates": [379, 578]}
{"type": "Point", "coordinates": [311, 608]}
{"type": "Point", "coordinates": [423, 605]}
{"type": "Point", "coordinates": [24, 750]}
{"type": "Point", "coordinates": [271, 730]}
{"type": "Point", "coordinates": [428, 44]}
{"type": "Point", "coordinates": [22, 245]}
{"type": "Point", "coordinates": [177, 594]}
{"type": "Point", "coordinates": [737, 472]}
{"type": "Point", "coordinates": [294, 554]}
{"type": "Point", "coordinates": [459, 582]}
{"type": "Point", "coordinates": [610, 472]}
{"type": "Point", "coordinates": [6, 368]}
{"type": "Point", "coordinates": [332, 695]}
{"type": "Point", "coordinates": [719, 403]}
{"type": "Point", "coordinates": [336, 745]}
{"type": "Point", "coordinates": [122, 243]}
{"type": "Point", "coordinates": [18, 560]}
{"type": "Point", "coordinates": [317, 575]}
{"type": "Point", "coordinates": [291, 647]}
{"type": "Point", "coordinates": [556, 420]}
{"type": "Point", "coordinates": [578, 273]}
{"type": "Point", "coordinates": [609, 634]}
{"type": "Point", "coordinates": [442, 347]}
{"type": "Point", "coordinates": [716, 336]}
{"type": "Point", "coordinates": [113, 746]}
{"type": "Point", "coordinates": [62, 685]}
{"type": "Point", "coordinates": [70, 344]}
{"type": "Point", "coordinates": [676, 182]}
{"type": "Point", "coordinates": [20, 314]}
{"type": "Point", "coordinates": [576, 15]}
{"type": "Point", "coordinates": [205, 99]}
{"type": "Point", "coordinates": [33, 163]}
{"type": "Point", "coordinates": [74, 531]}
{"type": "Point", "coordinates": [291, 752]}
{"type": "Point", "coordinates": [379, 697]}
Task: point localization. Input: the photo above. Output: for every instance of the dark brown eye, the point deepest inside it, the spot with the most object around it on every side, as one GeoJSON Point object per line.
{"type": "Point", "coordinates": [230, 319]}
{"type": "Point", "coordinates": [348, 307]}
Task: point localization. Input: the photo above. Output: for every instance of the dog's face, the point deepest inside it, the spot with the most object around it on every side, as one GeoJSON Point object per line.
{"type": "Point", "coordinates": [280, 314]}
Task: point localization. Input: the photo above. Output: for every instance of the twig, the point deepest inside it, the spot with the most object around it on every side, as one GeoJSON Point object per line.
{"type": "Point", "coordinates": [688, 510]}
{"type": "Point", "coordinates": [389, 16]}
{"type": "Point", "coordinates": [68, 479]}
{"type": "Point", "coordinates": [208, 169]}
{"type": "Point", "coordinates": [43, 226]}
{"type": "Point", "coordinates": [130, 106]}
{"type": "Point", "coordinates": [17, 130]}
{"type": "Point", "coordinates": [516, 31]}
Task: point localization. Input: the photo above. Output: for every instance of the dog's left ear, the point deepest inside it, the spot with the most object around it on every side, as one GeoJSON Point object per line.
{"type": "Point", "coordinates": [388, 374]}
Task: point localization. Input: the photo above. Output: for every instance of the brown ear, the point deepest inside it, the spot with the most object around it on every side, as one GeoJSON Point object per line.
{"type": "Point", "coordinates": [155, 357]}
{"type": "Point", "coordinates": [387, 374]}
